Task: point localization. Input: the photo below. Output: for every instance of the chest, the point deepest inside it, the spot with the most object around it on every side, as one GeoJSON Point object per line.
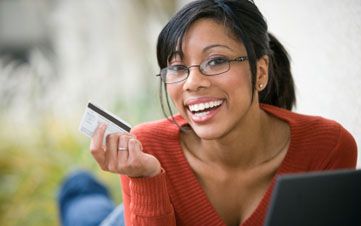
{"type": "Point", "coordinates": [234, 196]}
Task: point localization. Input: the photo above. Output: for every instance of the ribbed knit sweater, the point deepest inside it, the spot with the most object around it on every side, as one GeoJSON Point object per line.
{"type": "Point", "coordinates": [175, 197]}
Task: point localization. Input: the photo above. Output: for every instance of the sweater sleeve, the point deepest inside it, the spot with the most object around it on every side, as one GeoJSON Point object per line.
{"type": "Point", "coordinates": [146, 201]}
{"type": "Point", "coordinates": [344, 153]}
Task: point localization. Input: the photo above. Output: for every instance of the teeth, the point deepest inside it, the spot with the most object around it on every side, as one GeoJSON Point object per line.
{"type": "Point", "coordinates": [203, 106]}
{"type": "Point", "coordinates": [201, 114]}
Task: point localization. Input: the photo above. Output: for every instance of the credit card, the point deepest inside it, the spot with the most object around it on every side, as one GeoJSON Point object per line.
{"type": "Point", "coordinates": [95, 115]}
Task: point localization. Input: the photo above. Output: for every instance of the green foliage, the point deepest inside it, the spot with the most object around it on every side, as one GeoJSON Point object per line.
{"type": "Point", "coordinates": [32, 165]}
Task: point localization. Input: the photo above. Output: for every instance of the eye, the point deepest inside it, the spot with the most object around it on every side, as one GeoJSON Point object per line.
{"type": "Point", "coordinates": [177, 67]}
{"type": "Point", "coordinates": [217, 61]}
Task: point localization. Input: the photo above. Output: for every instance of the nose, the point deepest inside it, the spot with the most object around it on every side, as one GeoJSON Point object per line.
{"type": "Point", "coordinates": [196, 80]}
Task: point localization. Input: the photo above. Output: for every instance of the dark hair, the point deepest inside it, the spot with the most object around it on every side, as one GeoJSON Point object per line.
{"type": "Point", "coordinates": [247, 24]}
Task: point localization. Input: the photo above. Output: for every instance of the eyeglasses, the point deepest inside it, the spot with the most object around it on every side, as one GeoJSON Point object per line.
{"type": "Point", "coordinates": [215, 66]}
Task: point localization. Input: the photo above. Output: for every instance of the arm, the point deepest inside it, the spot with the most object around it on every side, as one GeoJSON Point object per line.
{"type": "Point", "coordinates": [146, 201]}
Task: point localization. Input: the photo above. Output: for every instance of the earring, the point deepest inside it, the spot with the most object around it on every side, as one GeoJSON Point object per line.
{"type": "Point", "coordinates": [260, 86]}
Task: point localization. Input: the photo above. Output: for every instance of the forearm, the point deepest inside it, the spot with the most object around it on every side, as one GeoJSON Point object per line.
{"type": "Point", "coordinates": [147, 202]}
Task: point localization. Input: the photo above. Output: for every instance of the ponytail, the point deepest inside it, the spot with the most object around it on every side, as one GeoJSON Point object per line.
{"type": "Point", "coordinates": [280, 89]}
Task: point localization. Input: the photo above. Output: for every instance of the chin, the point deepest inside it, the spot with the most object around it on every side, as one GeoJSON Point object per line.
{"type": "Point", "coordinates": [208, 133]}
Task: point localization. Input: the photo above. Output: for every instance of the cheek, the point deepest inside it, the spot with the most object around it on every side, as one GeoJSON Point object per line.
{"type": "Point", "coordinates": [175, 94]}
{"type": "Point", "coordinates": [238, 83]}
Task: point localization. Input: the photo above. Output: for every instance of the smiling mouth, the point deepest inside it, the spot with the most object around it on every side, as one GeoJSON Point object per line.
{"type": "Point", "coordinates": [204, 108]}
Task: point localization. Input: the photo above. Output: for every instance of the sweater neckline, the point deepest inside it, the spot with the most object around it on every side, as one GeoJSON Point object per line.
{"type": "Point", "coordinates": [286, 166]}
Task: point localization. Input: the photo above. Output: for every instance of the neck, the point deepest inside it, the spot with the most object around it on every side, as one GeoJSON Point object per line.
{"type": "Point", "coordinates": [243, 147]}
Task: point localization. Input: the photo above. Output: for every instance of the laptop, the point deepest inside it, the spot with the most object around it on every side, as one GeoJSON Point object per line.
{"type": "Point", "coordinates": [329, 198]}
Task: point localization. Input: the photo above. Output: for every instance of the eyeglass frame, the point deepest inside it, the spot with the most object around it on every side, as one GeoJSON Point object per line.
{"type": "Point", "coordinates": [187, 68]}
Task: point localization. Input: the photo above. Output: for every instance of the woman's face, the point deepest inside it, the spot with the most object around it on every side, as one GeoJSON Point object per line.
{"type": "Point", "coordinates": [212, 105]}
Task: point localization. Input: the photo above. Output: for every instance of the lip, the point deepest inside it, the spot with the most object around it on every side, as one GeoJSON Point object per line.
{"type": "Point", "coordinates": [202, 118]}
{"type": "Point", "coordinates": [199, 100]}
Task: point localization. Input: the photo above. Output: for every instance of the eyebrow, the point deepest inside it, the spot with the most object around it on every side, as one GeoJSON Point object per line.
{"type": "Point", "coordinates": [175, 53]}
{"type": "Point", "coordinates": [214, 46]}
{"type": "Point", "coordinates": [180, 53]}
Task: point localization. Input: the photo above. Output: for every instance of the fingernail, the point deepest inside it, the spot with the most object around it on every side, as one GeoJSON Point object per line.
{"type": "Point", "coordinates": [103, 125]}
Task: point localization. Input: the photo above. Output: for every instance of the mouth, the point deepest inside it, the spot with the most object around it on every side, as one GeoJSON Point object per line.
{"type": "Point", "coordinates": [203, 109]}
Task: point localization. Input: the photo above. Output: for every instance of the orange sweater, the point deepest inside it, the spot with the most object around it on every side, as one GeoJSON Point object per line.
{"type": "Point", "coordinates": [175, 197]}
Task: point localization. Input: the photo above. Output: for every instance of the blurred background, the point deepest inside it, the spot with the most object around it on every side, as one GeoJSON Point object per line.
{"type": "Point", "coordinates": [56, 55]}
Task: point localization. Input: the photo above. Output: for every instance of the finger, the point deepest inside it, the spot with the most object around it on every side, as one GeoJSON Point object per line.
{"type": "Point", "coordinates": [96, 145]}
{"type": "Point", "coordinates": [111, 151]}
{"type": "Point", "coordinates": [97, 139]}
{"type": "Point", "coordinates": [135, 150]}
{"type": "Point", "coordinates": [123, 148]}
{"type": "Point", "coordinates": [133, 163]}
{"type": "Point", "coordinates": [142, 164]}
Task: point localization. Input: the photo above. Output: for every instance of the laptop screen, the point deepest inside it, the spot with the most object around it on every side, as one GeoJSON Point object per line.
{"type": "Point", "coordinates": [328, 198]}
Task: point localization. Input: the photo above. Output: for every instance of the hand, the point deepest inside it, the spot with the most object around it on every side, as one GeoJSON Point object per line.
{"type": "Point", "coordinates": [122, 153]}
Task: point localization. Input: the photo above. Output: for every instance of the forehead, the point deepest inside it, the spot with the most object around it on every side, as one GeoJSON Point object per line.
{"type": "Point", "coordinates": [210, 26]}
{"type": "Point", "coordinates": [206, 35]}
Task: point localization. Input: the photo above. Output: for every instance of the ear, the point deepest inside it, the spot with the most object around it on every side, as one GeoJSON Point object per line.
{"type": "Point", "coordinates": [262, 73]}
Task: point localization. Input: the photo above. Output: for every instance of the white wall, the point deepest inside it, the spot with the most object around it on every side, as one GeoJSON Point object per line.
{"type": "Point", "coordinates": [323, 38]}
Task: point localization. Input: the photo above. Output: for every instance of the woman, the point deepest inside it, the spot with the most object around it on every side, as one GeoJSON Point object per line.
{"type": "Point", "coordinates": [216, 160]}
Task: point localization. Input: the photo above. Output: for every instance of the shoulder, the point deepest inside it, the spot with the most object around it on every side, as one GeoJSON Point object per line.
{"type": "Point", "coordinates": [163, 128]}
{"type": "Point", "coordinates": [306, 124]}
{"type": "Point", "coordinates": [159, 137]}
{"type": "Point", "coordinates": [324, 141]}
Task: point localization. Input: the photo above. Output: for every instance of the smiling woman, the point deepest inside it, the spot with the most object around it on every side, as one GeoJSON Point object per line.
{"type": "Point", "coordinates": [215, 162]}
{"type": "Point", "coordinates": [207, 41]}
